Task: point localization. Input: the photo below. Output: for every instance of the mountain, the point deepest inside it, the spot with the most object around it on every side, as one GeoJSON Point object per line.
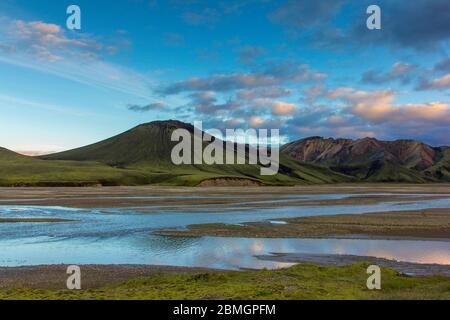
{"type": "Point", "coordinates": [147, 148]}
{"type": "Point", "coordinates": [146, 143]}
{"type": "Point", "coordinates": [142, 155]}
{"type": "Point", "coordinates": [370, 159]}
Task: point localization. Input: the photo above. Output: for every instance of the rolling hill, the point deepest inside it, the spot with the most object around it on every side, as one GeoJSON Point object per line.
{"type": "Point", "coordinates": [19, 170]}
{"type": "Point", "coordinates": [373, 160]}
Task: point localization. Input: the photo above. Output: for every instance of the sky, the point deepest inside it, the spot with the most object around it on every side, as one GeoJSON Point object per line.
{"type": "Point", "coordinates": [308, 68]}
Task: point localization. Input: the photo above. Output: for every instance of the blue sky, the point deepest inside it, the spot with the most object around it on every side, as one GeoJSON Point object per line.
{"type": "Point", "coordinates": [306, 67]}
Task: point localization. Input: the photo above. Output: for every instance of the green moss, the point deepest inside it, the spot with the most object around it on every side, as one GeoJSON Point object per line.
{"type": "Point", "coordinates": [297, 282]}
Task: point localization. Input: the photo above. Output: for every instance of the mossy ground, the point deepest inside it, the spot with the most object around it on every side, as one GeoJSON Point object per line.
{"type": "Point", "coordinates": [297, 282]}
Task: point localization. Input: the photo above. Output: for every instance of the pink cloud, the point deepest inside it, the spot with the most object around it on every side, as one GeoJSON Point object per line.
{"type": "Point", "coordinates": [377, 106]}
{"type": "Point", "coordinates": [282, 108]}
{"type": "Point", "coordinates": [437, 84]}
{"type": "Point", "coordinates": [45, 27]}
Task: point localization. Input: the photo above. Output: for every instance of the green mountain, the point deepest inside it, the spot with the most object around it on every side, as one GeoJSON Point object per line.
{"type": "Point", "coordinates": [147, 149]}
{"type": "Point", "coordinates": [373, 160]}
{"type": "Point", "coordinates": [144, 144]}
{"type": "Point", "coordinates": [142, 155]}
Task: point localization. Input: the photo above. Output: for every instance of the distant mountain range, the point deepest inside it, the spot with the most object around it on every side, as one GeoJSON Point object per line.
{"type": "Point", "coordinates": [142, 156]}
{"type": "Point", "coordinates": [370, 159]}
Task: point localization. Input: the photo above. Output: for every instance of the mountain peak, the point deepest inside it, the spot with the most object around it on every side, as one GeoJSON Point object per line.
{"type": "Point", "coordinates": [168, 124]}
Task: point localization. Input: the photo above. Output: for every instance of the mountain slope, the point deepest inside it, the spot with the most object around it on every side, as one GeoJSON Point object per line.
{"type": "Point", "coordinates": [148, 147]}
{"type": "Point", "coordinates": [143, 144]}
{"type": "Point", "coordinates": [19, 170]}
{"type": "Point", "coordinates": [142, 155]}
{"type": "Point", "coordinates": [441, 168]}
{"type": "Point", "coordinates": [374, 160]}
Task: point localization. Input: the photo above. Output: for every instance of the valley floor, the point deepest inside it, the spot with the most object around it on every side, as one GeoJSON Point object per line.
{"type": "Point", "coordinates": [110, 197]}
{"type": "Point", "coordinates": [315, 277]}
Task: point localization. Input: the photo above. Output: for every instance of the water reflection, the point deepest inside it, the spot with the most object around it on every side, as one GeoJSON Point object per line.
{"type": "Point", "coordinates": [125, 237]}
{"type": "Point", "coordinates": [228, 253]}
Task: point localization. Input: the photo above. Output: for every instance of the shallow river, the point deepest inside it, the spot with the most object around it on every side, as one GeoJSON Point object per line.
{"type": "Point", "coordinates": [123, 235]}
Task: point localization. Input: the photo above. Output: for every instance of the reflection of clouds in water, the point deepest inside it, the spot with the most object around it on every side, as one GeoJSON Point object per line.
{"type": "Point", "coordinates": [430, 256]}
{"type": "Point", "coordinates": [228, 253]}
{"type": "Point", "coordinates": [125, 238]}
{"type": "Point", "coordinates": [128, 221]}
{"type": "Point", "coordinates": [257, 247]}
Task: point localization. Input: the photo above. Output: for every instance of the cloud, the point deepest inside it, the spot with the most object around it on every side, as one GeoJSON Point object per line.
{"type": "Point", "coordinates": [313, 93]}
{"type": "Point", "coordinates": [442, 66]}
{"type": "Point", "coordinates": [305, 13]}
{"type": "Point", "coordinates": [256, 121]}
{"type": "Point", "coordinates": [271, 75]}
{"type": "Point", "coordinates": [148, 107]}
{"type": "Point", "coordinates": [207, 103]}
{"type": "Point", "coordinates": [207, 16]}
{"type": "Point", "coordinates": [48, 28]}
{"type": "Point", "coordinates": [220, 82]}
{"type": "Point", "coordinates": [46, 41]}
{"type": "Point", "coordinates": [377, 107]}
{"type": "Point", "coordinates": [266, 92]}
{"type": "Point", "coordinates": [421, 25]}
{"type": "Point", "coordinates": [209, 13]}
{"type": "Point", "coordinates": [37, 150]}
{"type": "Point", "coordinates": [173, 39]}
{"type": "Point", "coordinates": [248, 54]}
{"type": "Point", "coordinates": [399, 71]}
{"type": "Point", "coordinates": [277, 108]}
{"type": "Point", "coordinates": [48, 48]}
{"type": "Point", "coordinates": [441, 83]}
{"type": "Point", "coordinates": [282, 108]}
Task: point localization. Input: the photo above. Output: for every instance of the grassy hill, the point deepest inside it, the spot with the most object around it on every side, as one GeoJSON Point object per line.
{"type": "Point", "coordinates": [142, 156]}
{"type": "Point", "coordinates": [18, 170]}
{"type": "Point", "coordinates": [441, 169]}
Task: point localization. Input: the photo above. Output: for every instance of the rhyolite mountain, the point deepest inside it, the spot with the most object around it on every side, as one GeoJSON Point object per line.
{"type": "Point", "coordinates": [141, 156]}
{"type": "Point", "coordinates": [370, 159]}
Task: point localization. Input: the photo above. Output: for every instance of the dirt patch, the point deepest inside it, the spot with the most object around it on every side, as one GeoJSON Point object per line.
{"type": "Point", "coordinates": [92, 276]}
{"type": "Point", "coordinates": [229, 182]}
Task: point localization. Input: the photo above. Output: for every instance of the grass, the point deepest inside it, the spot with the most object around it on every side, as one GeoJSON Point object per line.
{"type": "Point", "coordinates": [297, 282]}
{"type": "Point", "coordinates": [26, 171]}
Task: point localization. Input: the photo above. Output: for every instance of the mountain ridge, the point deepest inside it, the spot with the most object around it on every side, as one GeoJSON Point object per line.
{"type": "Point", "coordinates": [141, 155]}
{"type": "Point", "coordinates": [367, 158]}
